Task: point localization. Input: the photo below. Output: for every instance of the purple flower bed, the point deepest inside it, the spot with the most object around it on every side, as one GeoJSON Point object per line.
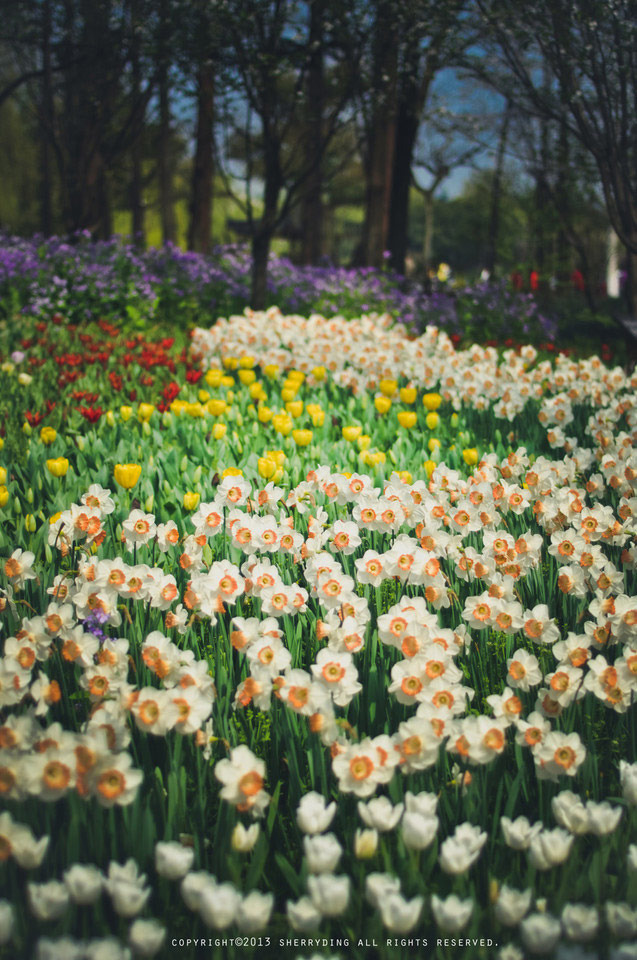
{"type": "Point", "coordinates": [85, 280]}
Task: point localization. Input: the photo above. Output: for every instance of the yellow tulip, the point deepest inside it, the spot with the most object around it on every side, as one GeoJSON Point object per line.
{"type": "Point", "coordinates": [230, 363]}
{"type": "Point", "coordinates": [110, 418]}
{"type": "Point", "coordinates": [232, 472]}
{"type": "Point", "coordinates": [302, 438]}
{"type": "Point", "coordinates": [219, 431]}
{"type": "Point", "coordinates": [407, 418]}
{"type": "Point", "coordinates": [247, 363]}
{"type": "Point", "coordinates": [3, 476]}
{"type": "Point", "coordinates": [216, 407]}
{"type": "Point", "coordinates": [266, 467]}
{"type": "Point", "coordinates": [29, 523]}
{"type": "Point", "coordinates": [405, 476]}
{"type": "Point", "coordinates": [1, 442]}
{"type": "Point", "coordinates": [277, 455]}
{"type": "Point", "coordinates": [433, 444]}
{"type": "Point", "coordinates": [26, 428]}
{"type": "Point", "coordinates": [195, 410]}
{"type": "Point", "coordinates": [296, 376]}
{"type": "Point", "coordinates": [388, 387]}
{"type": "Point", "coordinates": [47, 435]}
{"type": "Point", "coordinates": [430, 466]}
{"type": "Point", "coordinates": [408, 394]}
{"type": "Point", "coordinates": [454, 419]}
{"type": "Point", "coordinates": [470, 456]}
{"type": "Point", "coordinates": [363, 442]}
{"type": "Point", "coordinates": [294, 408]}
{"type": "Point", "coordinates": [271, 370]}
{"type": "Point", "coordinates": [257, 392]}
{"type": "Point", "coordinates": [431, 401]}
{"type": "Point", "coordinates": [288, 394]}
{"type": "Point", "coordinates": [145, 411]}
{"type": "Point", "coordinates": [432, 420]}
{"type": "Point", "coordinates": [264, 414]}
{"type": "Point", "coordinates": [58, 466]}
{"type": "Point", "coordinates": [227, 381]}
{"type": "Point", "coordinates": [203, 396]}
{"type": "Point", "coordinates": [213, 377]}
{"type": "Point", "coordinates": [191, 500]}
{"type": "Point", "coordinates": [282, 423]}
{"type": "Point", "coordinates": [127, 474]}
{"type": "Point", "coordinates": [318, 373]}
{"type": "Point", "coordinates": [247, 377]}
{"type": "Point", "coordinates": [178, 406]}
{"type": "Point", "coordinates": [352, 433]}
{"type": "Point", "coordinates": [382, 404]}
{"type": "Point", "coordinates": [318, 418]}
{"type": "Point", "coordinates": [4, 496]}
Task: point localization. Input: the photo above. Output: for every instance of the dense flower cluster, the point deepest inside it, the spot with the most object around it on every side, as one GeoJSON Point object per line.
{"type": "Point", "coordinates": [298, 676]}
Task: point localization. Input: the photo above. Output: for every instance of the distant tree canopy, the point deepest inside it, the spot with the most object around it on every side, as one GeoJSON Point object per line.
{"type": "Point", "coordinates": [310, 120]}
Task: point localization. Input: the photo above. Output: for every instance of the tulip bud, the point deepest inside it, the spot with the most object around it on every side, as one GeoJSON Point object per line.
{"type": "Point", "coordinates": [197, 474]}
{"type": "Point", "coordinates": [183, 466]}
{"type": "Point", "coordinates": [81, 442]}
{"type": "Point", "coordinates": [4, 496]}
{"type": "Point", "coordinates": [149, 504]}
{"type": "Point", "coordinates": [30, 495]}
{"type": "Point", "coordinates": [146, 428]}
{"type": "Point", "coordinates": [29, 523]}
{"type": "Point", "coordinates": [110, 418]}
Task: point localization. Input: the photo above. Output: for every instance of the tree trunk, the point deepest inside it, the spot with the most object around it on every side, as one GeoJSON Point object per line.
{"type": "Point", "coordinates": [200, 228]}
{"type": "Point", "coordinates": [428, 242]}
{"type": "Point", "coordinates": [46, 125]}
{"type": "Point", "coordinates": [166, 199]}
{"type": "Point", "coordinates": [631, 284]}
{"type": "Point", "coordinates": [259, 277]}
{"type": "Point", "coordinates": [312, 201]}
{"type": "Point", "coordinates": [136, 184]}
{"type": "Point", "coordinates": [496, 194]}
{"type": "Point", "coordinates": [264, 232]}
{"type": "Point", "coordinates": [382, 140]}
{"type": "Point", "coordinates": [407, 124]}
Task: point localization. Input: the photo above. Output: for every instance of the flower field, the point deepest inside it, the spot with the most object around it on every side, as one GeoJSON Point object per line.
{"type": "Point", "coordinates": [319, 639]}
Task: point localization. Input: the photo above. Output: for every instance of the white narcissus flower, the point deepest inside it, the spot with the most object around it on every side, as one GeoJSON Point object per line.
{"type": "Point", "coordinates": [452, 913]}
{"type": "Point", "coordinates": [580, 922]}
{"type": "Point", "coordinates": [302, 915]}
{"type": "Point", "coordinates": [329, 893]}
{"type": "Point", "coordinates": [512, 905]}
{"type": "Point", "coordinates": [418, 831]}
{"type": "Point", "coordinates": [380, 813]}
{"type": "Point", "coordinates": [146, 937]}
{"type": "Point", "coordinates": [243, 839]}
{"type": "Point", "coordinates": [518, 833]}
{"type": "Point", "coordinates": [219, 905]}
{"type": "Point", "coordinates": [193, 886]}
{"type": "Point", "coordinates": [628, 777]}
{"type": "Point", "coordinates": [84, 883]}
{"type": "Point", "coordinates": [254, 912]}
{"type": "Point", "coordinates": [550, 848]}
{"type": "Point", "coordinates": [540, 932]}
{"type": "Point", "coordinates": [460, 851]}
{"type": "Point", "coordinates": [7, 921]}
{"type": "Point", "coordinates": [48, 901]}
{"type": "Point", "coordinates": [379, 886]}
{"type": "Point", "coordinates": [313, 814]}
{"type": "Point", "coordinates": [173, 860]}
{"type": "Point", "coordinates": [242, 777]}
{"type": "Point", "coordinates": [322, 852]}
{"type": "Point", "coordinates": [365, 843]}
{"type": "Point", "coordinates": [400, 915]}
